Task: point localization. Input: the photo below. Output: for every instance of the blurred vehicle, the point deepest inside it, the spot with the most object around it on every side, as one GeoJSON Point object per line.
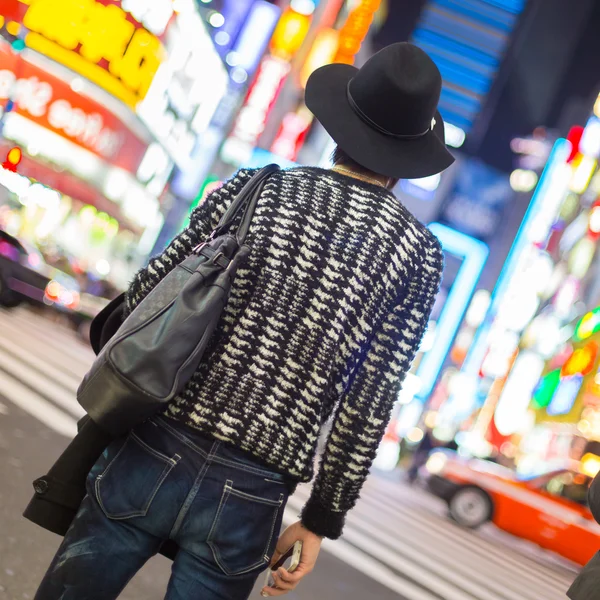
{"type": "Point", "coordinates": [550, 510]}
{"type": "Point", "coordinates": [94, 293]}
{"type": "Point", "coordinates": [25, 276]}
{"type": "Point", "coordinates": [21, 273]}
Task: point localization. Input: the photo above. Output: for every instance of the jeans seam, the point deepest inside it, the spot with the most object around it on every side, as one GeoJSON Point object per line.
{"type": "Point", "coordinates": [223, 461]}
{"type": "Point", "coordinates": [270, 538]}
{"type": "Point", "coordinates": [252, 498]}
{"type": "Point", "coordinates": [172, 461]}
{"type": "Point", "coordinates": [193, 493]}
{"type": "Point", "coordinates": [182, 438]}
{"type": "Point", "coordinates": [242, 467]}
{"type": "Point", "coordinates": [226, 491]}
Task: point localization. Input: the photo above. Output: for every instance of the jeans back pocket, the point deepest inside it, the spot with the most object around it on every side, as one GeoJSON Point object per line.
{"type": "Point", "coordinates": [131, 480]}
{"type": "Point", "coordinates": [243, 533]}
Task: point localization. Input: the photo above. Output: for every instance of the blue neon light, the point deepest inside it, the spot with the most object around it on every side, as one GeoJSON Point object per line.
{"type": "Point", "coordinates": [255, 36]}
{"type": "Point", "coordinates": [558, 156]}
{"type": "Point", "coordinates": [473, 254]}
{"type": "Point", "coordinates": [467, 40]}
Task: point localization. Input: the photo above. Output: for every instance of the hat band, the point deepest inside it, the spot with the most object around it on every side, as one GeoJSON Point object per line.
{"type": "Point", "coordinates": [378, 127]}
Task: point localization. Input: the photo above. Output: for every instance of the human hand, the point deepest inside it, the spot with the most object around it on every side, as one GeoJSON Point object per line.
{"type": "Point", "coordinates": [311, 545]}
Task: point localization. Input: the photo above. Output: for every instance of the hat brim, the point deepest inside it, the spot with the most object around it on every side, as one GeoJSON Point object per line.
{"type": "Point", "coordinates": [327, 99]}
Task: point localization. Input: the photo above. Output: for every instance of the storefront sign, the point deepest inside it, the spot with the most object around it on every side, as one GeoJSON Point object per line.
{"type": "Point", "coordinates": [101, 40]}
{"type": "Point", "coordinates": [186, 91]}
{"type": "Point", "coordinates": [52, 103]}
{"type": "Point", "coordinates": [253, 38]}
{"type": "Point", "coordinates": [289, 34]}
{"type": "Point", "coordinates": [292, 133]}
{"type": "Point", "coordinates": [254, 113]}
{"type": "Point", "coordinates": [355, 30]}
{"type": "Point", "coordinates": [322, 53]}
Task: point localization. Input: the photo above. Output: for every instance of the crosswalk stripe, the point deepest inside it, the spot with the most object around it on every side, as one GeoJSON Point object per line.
{"type": "Point", "coordinates": [37, 407]}
{"type": "Point", "coordinates": [372, 568]}
{"type": "Point", "coordinates": [48, 388]}
{"type": "Point", "coordinates": [405, 545]}
{"type": "Point", "coordinates": [391, 559]}
{"type": "Point", "coordinates": [67, 345]}
{"type": "Point", "coordinates": [443, 529]}
{"type": "Point", "coordinates": [472, 540]}
{"type": "Point", "coordinates": [471, 564]}
{"type": "Point", "coordinates": [28, 339]}
{"type": "Point", "coordinates": [41, 365]}
{"type": "Point", "coordinates": [477, 569]}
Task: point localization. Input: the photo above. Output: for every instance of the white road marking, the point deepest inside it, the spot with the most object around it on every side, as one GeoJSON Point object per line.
{"type": "Point", "coordinates": [394, 536]}
{"type": "Point", "coordinates": [40, 364]}
{"type": "Point", "coordinates": [37, 407]}
{"type": "Point", "coordinates": [47, 387]}
{"type": "Point", "coordinates": [366, 564]}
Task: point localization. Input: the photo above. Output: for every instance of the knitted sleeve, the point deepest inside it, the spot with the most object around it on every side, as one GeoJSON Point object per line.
{"type": "Point", "coordinates": [203, 220]}
{"type": "Point", "coordinates": [363, 412]}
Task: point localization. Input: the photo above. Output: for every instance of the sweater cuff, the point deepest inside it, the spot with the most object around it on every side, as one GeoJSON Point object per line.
{"type": "Point", "coordinates": [322, 521]}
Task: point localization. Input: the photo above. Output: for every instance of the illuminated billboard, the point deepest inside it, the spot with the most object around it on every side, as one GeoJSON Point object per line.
{"type": "Point", "coordinates": [99, 39]}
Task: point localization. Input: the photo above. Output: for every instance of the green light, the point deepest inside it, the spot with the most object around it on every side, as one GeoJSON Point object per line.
{"type": "Point", "coordinates": [588, 326]}
{"type": "Point", "coordinates": [18, 45]}
{"type": "Point", "coordinates": [544, 392]}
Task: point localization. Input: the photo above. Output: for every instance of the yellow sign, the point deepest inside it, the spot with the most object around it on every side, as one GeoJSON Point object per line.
{"type": "Point", "coordinates": [322, 53]}
{"type": "Point", "coordinates": [289, 34]}
{"type": "Point", "coordinates": [98, 40]}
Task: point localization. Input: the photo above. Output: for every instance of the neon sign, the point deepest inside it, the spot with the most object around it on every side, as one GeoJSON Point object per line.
{"type": "Point", "coordinates": [474, 255]}
{"type": "Point", "coordinates": [252, 117]}
{"type": "Point", "coordinates": [581, 362]}
{"type": "Point", "coordinates": [588, 326]}
{"type": "Point", "coordinates": [99, 40]}
{"type": "Point", "coordinates": [355, 30]}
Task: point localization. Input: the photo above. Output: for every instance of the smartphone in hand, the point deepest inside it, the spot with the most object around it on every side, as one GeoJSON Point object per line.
{"type": "Point", "coordinates": [290, 561]}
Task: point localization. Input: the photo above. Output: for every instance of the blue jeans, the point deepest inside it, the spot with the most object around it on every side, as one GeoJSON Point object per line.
{"type": "Point", "coordinates": [162, 481]}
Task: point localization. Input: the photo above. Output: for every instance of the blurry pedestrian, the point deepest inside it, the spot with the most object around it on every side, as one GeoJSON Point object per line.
{"type": "Point", "coordinates": [323, 320]}
{"type": "Point", "coordinates": [426, 445]}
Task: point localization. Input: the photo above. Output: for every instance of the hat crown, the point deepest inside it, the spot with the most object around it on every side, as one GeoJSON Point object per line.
{"type": "Point", "coordinates": [398, 90]}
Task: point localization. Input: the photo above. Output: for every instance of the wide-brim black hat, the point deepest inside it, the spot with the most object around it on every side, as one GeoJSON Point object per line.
{"type": "Point", "coordinates": [384, 115]}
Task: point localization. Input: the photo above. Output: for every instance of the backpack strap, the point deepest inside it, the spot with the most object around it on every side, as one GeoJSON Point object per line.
{"type": "Point", "coordinates": [244, 226]}
{"type": "Point", "coordinates": [247, 195]}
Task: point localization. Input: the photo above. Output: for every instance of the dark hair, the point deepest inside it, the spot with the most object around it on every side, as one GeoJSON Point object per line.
{"type": "Point", "coordinates": [340, 157]}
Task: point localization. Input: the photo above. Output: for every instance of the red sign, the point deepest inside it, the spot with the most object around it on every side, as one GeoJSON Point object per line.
{"type": "Point", "coordinates": [292, 133]}
{"type": "Point", "coordinates": [51, 103]}
{"type": "Point", "coordinates": [253, 115]}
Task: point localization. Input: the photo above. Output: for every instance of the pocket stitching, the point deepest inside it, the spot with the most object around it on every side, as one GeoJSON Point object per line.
{"type": "Point", "coordinates": [227, 491]}
{"type": "Point", "coordinates": [224, 497]}
{"type": "Point", "coordinates": [171, 462]}
{"type": "Point", "coordinates": [251, 498]}
{"type": "Point", "coordinates": [266, 557]}
{"type": "Point", "coordinates": [154, 452]}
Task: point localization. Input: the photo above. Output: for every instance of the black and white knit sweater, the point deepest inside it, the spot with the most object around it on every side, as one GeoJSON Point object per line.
{"type": "Point", "coordinates": [325, 318]}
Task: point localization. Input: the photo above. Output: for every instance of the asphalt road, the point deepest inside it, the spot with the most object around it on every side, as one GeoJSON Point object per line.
{"type": "Point", "coordinates": [398, 543]}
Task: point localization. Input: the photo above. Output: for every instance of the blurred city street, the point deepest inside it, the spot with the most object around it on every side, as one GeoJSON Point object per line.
{"type": "Point", "coordinates": [398, 544]}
